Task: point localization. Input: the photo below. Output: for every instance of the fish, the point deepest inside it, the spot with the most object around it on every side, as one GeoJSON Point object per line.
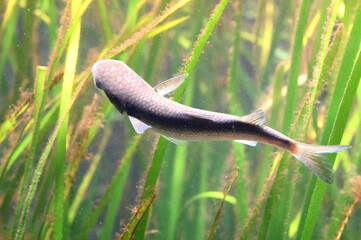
{"type": "Point", "coordinates": [149, 108]}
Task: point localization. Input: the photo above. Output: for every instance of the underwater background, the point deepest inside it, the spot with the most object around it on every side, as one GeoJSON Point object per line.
{"type": "Point", "coordinates": [72, 167]}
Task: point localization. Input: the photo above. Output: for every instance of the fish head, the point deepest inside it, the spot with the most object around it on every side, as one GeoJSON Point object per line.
{"type": "Point", "coordinates": [119, 82]}
{"type": "Point", "coordinates": [111, 75]}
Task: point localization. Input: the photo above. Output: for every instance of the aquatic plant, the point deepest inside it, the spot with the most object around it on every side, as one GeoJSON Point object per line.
{"type": "Point", "coordinates": [72, 168]}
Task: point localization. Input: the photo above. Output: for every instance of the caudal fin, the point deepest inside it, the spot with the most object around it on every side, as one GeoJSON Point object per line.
{"type": "Point", "coordinates": [315, 158]}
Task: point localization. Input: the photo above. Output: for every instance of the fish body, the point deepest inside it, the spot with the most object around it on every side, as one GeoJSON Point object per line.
{"type": "Point", "coordinates": [148, 108]}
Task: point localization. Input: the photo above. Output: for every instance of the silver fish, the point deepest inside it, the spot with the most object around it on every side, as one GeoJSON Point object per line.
{"type": "Point", "coordinates": [147, 108]}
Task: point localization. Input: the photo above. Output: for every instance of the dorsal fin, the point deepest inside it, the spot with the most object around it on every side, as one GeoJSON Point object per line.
{"type": "Point", "coordinates": [256, 118]}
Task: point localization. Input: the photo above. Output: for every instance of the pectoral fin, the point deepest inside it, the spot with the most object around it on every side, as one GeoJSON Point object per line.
{"type": "Point", "coordinates": [200, 116]}
{"type": "Point", "coordinates": [138, 125]}
{"type": "Point", "coordinates": [170, 85]}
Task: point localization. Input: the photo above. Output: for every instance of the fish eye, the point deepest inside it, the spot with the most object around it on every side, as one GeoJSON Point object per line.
{"type": "Point", "coordinates": [97, 83]}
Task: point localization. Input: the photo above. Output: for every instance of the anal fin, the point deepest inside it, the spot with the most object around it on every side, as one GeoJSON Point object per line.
{"type": "Point", "coordinates": [246, 142]}
{"type": "Point", "coordinates": [138, 125]}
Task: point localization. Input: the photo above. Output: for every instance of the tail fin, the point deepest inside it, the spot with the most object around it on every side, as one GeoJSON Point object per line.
{"type": "Point", "coordinates": [315, 158]}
